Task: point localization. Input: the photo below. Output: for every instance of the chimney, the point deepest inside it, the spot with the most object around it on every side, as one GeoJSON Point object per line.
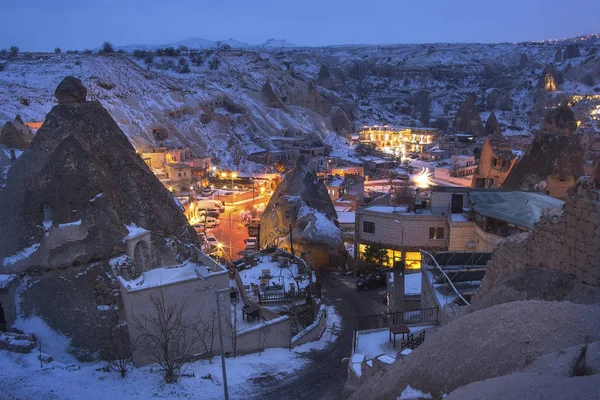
{"type": "Point", "coordinates": [13, 156]}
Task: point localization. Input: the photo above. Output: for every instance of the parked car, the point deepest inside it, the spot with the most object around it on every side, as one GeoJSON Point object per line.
{"type": "Point", "coordinates": [375, 279]}
{"type": "Point", "coordinates": [211, 222]}
{"type": "Point", "coordinates": [251, 243]}
{"type": "Point", "coordinates": [212, 240]}
{"type": "Point", "coordinates": [207, 193]}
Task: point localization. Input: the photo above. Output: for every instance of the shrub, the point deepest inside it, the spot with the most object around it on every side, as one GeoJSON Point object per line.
{"type": "Point", "coordinates": [57, 50]}
{"type": "Point", "coordinates": [13, 51]}
{"type": "Point", "coordinates": [197, 59]}
{"type": "Point", "coordinates": [106, 48]}
{"type": "Point", "coordinates": [1, 67]}
{"type": "Point", "coordinates": [72, 51]}
{"type": "Point", "coordinates": [87, 51]}
{"type": "Point", "coordinates": [78, 62]}
{"type": "Point", "coordinates": [185, 68]}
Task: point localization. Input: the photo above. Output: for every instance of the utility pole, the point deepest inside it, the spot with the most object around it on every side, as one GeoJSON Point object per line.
{"type": "Point", "coordinates": [223, 369]}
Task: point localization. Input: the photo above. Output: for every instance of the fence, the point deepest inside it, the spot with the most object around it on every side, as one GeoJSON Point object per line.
{"type": "Point", "coordinates": [378, 321]}
{"type": "Point", "coordinates": [425, 315]}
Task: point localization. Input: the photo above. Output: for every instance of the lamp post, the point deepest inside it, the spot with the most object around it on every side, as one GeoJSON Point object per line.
{"type": "Point", "coordinates": [233, 176]}
{"type": "Point", "coordinates": [399, 271]}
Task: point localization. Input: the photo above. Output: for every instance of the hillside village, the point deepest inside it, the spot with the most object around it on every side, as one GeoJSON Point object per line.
{"type": "Point", "coordinates": [239, 221]}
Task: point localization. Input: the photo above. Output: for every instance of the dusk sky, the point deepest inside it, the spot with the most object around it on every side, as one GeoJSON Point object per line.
{"type": "Point", "coordinates": [41, 25]}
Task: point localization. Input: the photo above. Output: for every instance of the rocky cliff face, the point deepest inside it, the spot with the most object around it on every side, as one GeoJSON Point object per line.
{"type": "Point", "coordinates": [75, 188]}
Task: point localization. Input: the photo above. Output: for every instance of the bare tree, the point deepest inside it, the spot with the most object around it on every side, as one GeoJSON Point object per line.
{"type": "Point", "coordinates": [263, 333]}
{"type": "Point", "coordinates": [205, 332]}
{"type": "Point", "coordinates": [403, 193]}
{"type": "Point", "coordinates": [233, 323]}
{"type": "Point", "coordinates": [117, 350]}
{"type": "Point", "coordinates": [164, 338]}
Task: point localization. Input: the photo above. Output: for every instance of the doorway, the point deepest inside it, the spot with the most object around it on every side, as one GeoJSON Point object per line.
{"type": "Point", "coordinates": [2, 319]}
{"type": "Point", "coordinates": [457, 204]}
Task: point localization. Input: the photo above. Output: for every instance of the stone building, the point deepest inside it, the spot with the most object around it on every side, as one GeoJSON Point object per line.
{"type": "Point", "coordinates": [456, 219]}
{"type": "Point", "coordinates": [399, 139]}
{"type": "Point", "coordinates": [495, 163]}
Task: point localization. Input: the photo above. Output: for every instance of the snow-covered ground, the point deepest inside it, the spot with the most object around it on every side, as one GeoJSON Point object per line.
{"type": "Point", "coordinates": [21, 376]}
{"type": "Point", "coordinates": [375, 342]}
{"type": "Point", "coordinates": [280, 276]}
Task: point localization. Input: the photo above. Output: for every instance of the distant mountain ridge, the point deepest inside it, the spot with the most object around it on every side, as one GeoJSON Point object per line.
{"type": "Point", "coordinates": [202, 44]}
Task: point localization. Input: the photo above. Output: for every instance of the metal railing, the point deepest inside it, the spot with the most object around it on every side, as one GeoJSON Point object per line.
{"type": "Point", "coordinates": [377, 321]}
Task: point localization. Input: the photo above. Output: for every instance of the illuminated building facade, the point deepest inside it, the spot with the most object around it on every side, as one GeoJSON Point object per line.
{"type": "Point", "coordinates": [399, 140]}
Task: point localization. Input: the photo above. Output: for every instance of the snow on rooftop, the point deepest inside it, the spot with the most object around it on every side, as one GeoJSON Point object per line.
{"type": "Point", "coordinates": [346, 217]}
{"type": "Point", "coordinates": [21, 255]}
{"type": "Point", "coordinates": [412, 283]}
{"type": "Point", "coordinates": [165, 276]}
{"type": "Point", "coordinates": [134, 232]}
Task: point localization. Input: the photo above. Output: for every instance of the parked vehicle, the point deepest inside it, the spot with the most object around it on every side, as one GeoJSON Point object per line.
{"type": "Point", "coordinates": [208, 204]}
{"type": "Point", "coordinates": [199, 228]}
{"type": "Point", "coordinates": [211, 222]}
{"type": "Point", "coordinates": [251, 243]}
{"type": "Point", "coordinates": [207, 193]}
{"type": "Point", "coordinates": [212, 240]}
{"type": "Point", "coordinates": [210, 212]}
{"type": "Point", "coordinates": [373, 279]}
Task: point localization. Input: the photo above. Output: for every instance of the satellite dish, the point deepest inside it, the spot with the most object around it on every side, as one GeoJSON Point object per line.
{"type": "Point", "coordinates": [543, 185]}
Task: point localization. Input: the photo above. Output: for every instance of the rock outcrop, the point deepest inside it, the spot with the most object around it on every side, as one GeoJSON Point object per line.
{"type": "Point", "coordinates": [70, 90]}
{"type": "Point", "coordinates": [560, 120]}
{"type": "Point", "coordinates": [340, 123]}
{"type": "Point", "coordinates": [301, 206]}
{"type": "Point", "coordinates": [467, 119]}
{"type": "Point", "coordinates": [499, 99]}
{"type": "Point", "coordinates": [488, 343]}
{"type": "Point", "coordinates": [270, 98]}
{"type": "Point", "coordinates": [80, 169]}
{"type": "Point", "coordinates": [549, 156]}
{"type": "Point", "coordinates": [566, 241]}
{"type": "Point", "coordinates": [492, 127]}
{"type": "Point", "coordinates": [75, 204]}
{"type": "Point", "coordinates": [15, 134]}
{"type": "Point", "coordinates": [572, 51]}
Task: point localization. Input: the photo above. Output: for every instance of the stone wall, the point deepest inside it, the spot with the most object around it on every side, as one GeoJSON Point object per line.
{"type": "Point", "coordinates": [566, 240]}
{"type": "Point", "coordinates": [274, 333]}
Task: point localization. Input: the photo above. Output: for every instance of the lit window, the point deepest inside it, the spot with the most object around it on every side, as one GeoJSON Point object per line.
{"type": "Point", "coordinates": [436, 233]}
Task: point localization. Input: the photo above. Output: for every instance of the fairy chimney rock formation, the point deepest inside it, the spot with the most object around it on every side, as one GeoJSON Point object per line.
{"type": "Point", "coordinates": [467, 119]}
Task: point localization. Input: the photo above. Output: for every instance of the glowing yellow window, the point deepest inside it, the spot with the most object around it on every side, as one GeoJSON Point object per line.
{"type": "Point", "coordinates": [413, 260]}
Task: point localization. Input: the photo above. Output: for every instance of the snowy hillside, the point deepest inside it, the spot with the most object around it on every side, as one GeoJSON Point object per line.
{"type": "Point", "coordinates": [218, 105]}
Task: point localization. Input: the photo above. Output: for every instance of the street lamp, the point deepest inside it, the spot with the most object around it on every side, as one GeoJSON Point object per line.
{"type": "Point", "coordinates": [219, 247]}
{"type": "Point", "coordinates": [233, 176]}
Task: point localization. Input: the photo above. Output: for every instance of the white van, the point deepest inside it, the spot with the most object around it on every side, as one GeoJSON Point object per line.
{"type": "Point", "coordinates": [210, 204]}
{"type": "Point", "coordinates": [212, 222]}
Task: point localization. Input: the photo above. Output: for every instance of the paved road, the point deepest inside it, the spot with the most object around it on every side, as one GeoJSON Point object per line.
{"type": "Point", "coordinates": [325, 374]}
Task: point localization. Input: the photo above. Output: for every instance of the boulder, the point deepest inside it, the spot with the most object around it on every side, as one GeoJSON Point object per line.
{"type": "Point", "coordinates": [467, 119]}
{"type": "Point", "coordinates": [70, 90]}
{"type": "Point", "coordinates": [15, 138]}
